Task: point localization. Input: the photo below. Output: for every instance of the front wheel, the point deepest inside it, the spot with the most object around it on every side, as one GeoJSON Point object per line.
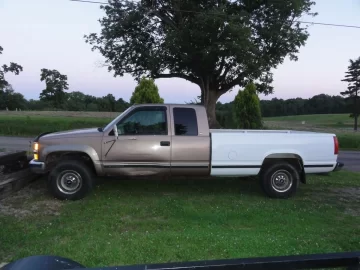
{"type": "Point", "coordinates": [70, 180]}
{"type": "Point", "coordinates": [280, 180]}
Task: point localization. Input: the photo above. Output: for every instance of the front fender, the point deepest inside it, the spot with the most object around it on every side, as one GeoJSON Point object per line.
{"type": "Point", "coordinates": [90, 151]}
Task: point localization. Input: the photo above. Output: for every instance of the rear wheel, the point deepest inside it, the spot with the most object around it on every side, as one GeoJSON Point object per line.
{"type": "Point", "coordinates": [280, 180]}
{"type": "Point", "coordinates": [70, 180]}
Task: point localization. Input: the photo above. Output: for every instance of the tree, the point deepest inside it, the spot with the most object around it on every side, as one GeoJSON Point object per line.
{"type": "Point", "coordinates": [352, 77]}
{"type": "Point", "coordinates": [246, 108]}
{"type": "Point", "coordinates": [10, 99]}
{"type": "Point", "coordinates": [13, 67]}
{"type": "Point", "coordinates": [215, 44]}
{"type": "Point", "coordinates": [121, 105]}
{"type": "Point", "coordinates": [75, 101]}
{"type": "Point", "coordinates": [146, 92]}
{"type": "Point", "coordinates": [56, 84]}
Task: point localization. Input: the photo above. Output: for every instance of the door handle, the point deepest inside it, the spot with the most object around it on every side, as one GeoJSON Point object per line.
{"type": "Point", "coordinates": [165, 143]}
{"type": "Point", "coordinates": [132, 138]}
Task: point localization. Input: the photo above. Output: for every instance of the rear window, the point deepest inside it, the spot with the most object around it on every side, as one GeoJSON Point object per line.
{"type": "Point", "coordinates": [185, 122]}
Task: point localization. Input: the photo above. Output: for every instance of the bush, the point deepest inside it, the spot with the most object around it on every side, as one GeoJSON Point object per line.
{"type": "Point", "coordinates": [146, 92]}
{"type": "Point", "coordinates": [246, 109]}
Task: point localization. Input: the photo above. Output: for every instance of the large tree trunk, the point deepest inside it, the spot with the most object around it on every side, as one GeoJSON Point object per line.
{"type": "Point", "coordinates": [209, 101]}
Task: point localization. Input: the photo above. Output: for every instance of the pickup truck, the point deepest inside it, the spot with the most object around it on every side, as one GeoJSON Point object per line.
{"type": "Point", "coordinates": [175, 140]}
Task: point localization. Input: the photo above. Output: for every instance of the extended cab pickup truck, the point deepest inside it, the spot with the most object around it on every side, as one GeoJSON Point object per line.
{"type": "Point", "coordinates": [175, 140]}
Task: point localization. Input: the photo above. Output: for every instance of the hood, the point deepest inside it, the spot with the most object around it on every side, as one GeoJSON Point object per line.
{"type": "Point", "coordinates": [86, 132]}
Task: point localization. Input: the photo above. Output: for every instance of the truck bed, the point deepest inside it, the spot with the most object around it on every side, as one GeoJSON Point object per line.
{"type": "Point", "coordinates": [242, 152]}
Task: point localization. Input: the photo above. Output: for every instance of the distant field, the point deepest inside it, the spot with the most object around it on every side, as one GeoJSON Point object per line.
{"type": "Point", "coordinates": [32, 123]}
{"type": "Point", "coordinates": [329, 120]}
{"type": "Point", "coordinates": [66, 114]}
{"type": "Point", "coordinates": [339, 124]}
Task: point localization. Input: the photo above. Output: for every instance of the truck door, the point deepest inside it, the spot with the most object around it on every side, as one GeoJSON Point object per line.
{"type": "Point", "coordinates": [143, 145]}
{"type": "Point", "coordinates": [190, 154]}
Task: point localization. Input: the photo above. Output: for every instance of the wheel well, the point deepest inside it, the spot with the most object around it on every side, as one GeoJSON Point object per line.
{"type": "Point", "coordinates": [292, 159]}
{"type": "Point", "coordinates": [53, 158]}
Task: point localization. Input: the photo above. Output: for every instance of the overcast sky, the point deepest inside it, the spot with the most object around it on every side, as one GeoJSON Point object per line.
{"type": "Point", "coordinates": [49, 34]}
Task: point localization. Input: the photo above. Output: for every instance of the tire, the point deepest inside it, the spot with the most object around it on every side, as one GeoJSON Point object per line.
{"type": "Point", "coordinates": [70, 180]}
{"type": "Point", "coordinates": [280, 180]}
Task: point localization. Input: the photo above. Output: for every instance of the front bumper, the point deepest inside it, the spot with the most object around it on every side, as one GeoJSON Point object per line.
{"type": "Point", "coordinates": [37, 166]}
{"type": "Point", "coordinates": [338, 166]}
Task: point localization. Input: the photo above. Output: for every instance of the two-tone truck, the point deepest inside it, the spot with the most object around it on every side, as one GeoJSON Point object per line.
{"type": "Point", "coordinates": [175, 140]}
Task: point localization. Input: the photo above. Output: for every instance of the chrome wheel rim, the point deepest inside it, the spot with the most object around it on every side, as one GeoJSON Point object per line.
{"type": "Point", "coordinates": [69, 182]}
{"type": "Point", "coordinates": [281, 181]}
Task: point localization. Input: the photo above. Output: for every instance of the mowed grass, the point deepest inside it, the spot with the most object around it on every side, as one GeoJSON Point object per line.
{"type": "Point", "coordinates": [34, 125]}
{"type": "Point", "coordinates": [137, 221]}
{"type": "Point", "coordinates": [339, 124]}
{"type": "Point", "coordinates": [317, 119]}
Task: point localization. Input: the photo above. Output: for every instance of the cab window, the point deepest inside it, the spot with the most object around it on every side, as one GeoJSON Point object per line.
{"type": "Point", "coordinates": [144, 121]}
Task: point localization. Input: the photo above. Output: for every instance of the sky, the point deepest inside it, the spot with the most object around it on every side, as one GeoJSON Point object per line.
{"type": "Point", "coordinates": [50, 34]}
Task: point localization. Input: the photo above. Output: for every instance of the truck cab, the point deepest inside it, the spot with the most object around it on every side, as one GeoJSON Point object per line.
{"type": "Point", "coordinates": [157, 140]}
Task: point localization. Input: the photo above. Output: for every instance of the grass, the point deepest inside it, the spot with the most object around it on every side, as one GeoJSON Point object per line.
{"type": "Point", "coordinates": [35, 125]}
{"type": "Point", "coordinates": [340, 124]}
{"type": "Point", "coordinates": [329, 120]}
{"type": "Point", "coordinates": [137, 221]}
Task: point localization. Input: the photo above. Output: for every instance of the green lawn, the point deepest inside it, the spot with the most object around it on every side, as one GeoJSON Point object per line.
{"type": "Point", "coordinates": [331, 120]}
{"type": "Point", "coordinates": [35, 125]}
{"type": "Point", "coordinates": [339, 124]}
{"type": "Point", "coordinates": [138, 221]}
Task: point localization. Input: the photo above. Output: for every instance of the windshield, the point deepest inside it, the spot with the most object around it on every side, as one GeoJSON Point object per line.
{"type": "Point", "coordinates": [113, 122]}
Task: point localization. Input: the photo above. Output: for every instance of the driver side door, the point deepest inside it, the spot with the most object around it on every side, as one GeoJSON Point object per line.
{"type": "Point", "coordinates": [143, 145]}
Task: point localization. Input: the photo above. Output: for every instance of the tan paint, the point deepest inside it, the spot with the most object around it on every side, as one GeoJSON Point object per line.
{"type": "Point", "coordinates": [140, 155]}
{"type": "Point", "coordinates": [190, 155]}
{"type": "Point", "coordinates": [89, 143]}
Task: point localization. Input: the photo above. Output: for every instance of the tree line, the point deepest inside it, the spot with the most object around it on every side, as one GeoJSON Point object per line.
{"type": "Point", "coordinates": [78, 101]}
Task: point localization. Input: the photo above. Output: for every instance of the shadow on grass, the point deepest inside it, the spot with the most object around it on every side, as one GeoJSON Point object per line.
{"type": "Point", "coordinates": [248, 185]}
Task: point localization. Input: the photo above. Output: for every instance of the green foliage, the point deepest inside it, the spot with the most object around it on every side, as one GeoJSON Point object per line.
{"type": "Point", "coordinates": [11, 100]}
{"type": "Point", "coordinates": [246, 109]}
{"type": "Point", "coordinates": [13, 68]}
{"type": "Point", "coordinates": [146, 92]}
{"type": "Point", "coordinates": [215, 44]}
{"type": "Point", "coordinates": [56, 84]}
{"type": "Point", "coordinates": [352, 77]}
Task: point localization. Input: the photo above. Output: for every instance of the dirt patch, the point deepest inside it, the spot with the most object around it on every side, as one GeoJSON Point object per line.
{"type": "Point", "coordinates": [33, 200]}
{"type": "Point", "coordinates": [349, 198]}
{"type": "Point", "coordinates": [348, 192]}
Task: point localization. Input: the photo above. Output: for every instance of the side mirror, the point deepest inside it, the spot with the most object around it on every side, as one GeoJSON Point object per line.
{"type": "Point", "coordinates": [116, 131]}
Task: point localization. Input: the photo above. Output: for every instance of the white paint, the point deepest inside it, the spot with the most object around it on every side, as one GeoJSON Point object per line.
{"type": "Point", "coordinates": [251, 147]}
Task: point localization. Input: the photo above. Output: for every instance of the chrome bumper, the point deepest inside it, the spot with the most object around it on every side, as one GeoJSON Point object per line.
{"type": "Point", "coordinates": [338, 166]}
{"type": "Point", "coordinates": [37, 166]}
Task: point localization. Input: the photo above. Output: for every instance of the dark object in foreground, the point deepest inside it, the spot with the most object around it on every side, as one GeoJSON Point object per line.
{"type": "Point", "coordinates": [14, 172]}
{"type": "Point", "coordinates": [350, 260]}
{"type": "Point", "coordinates": [13, 161]}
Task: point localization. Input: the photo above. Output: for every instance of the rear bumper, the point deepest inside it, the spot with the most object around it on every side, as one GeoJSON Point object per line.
{"type": "Point", "coordinates": [338, 166]}
{"type": "Point", "coordinates": [37, 166]}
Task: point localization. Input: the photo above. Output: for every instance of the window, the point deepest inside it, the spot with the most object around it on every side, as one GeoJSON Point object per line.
{"type": "Point", "coordinates": [144, 121]}
{"type": "Point", "coordinates": [185, 122]}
